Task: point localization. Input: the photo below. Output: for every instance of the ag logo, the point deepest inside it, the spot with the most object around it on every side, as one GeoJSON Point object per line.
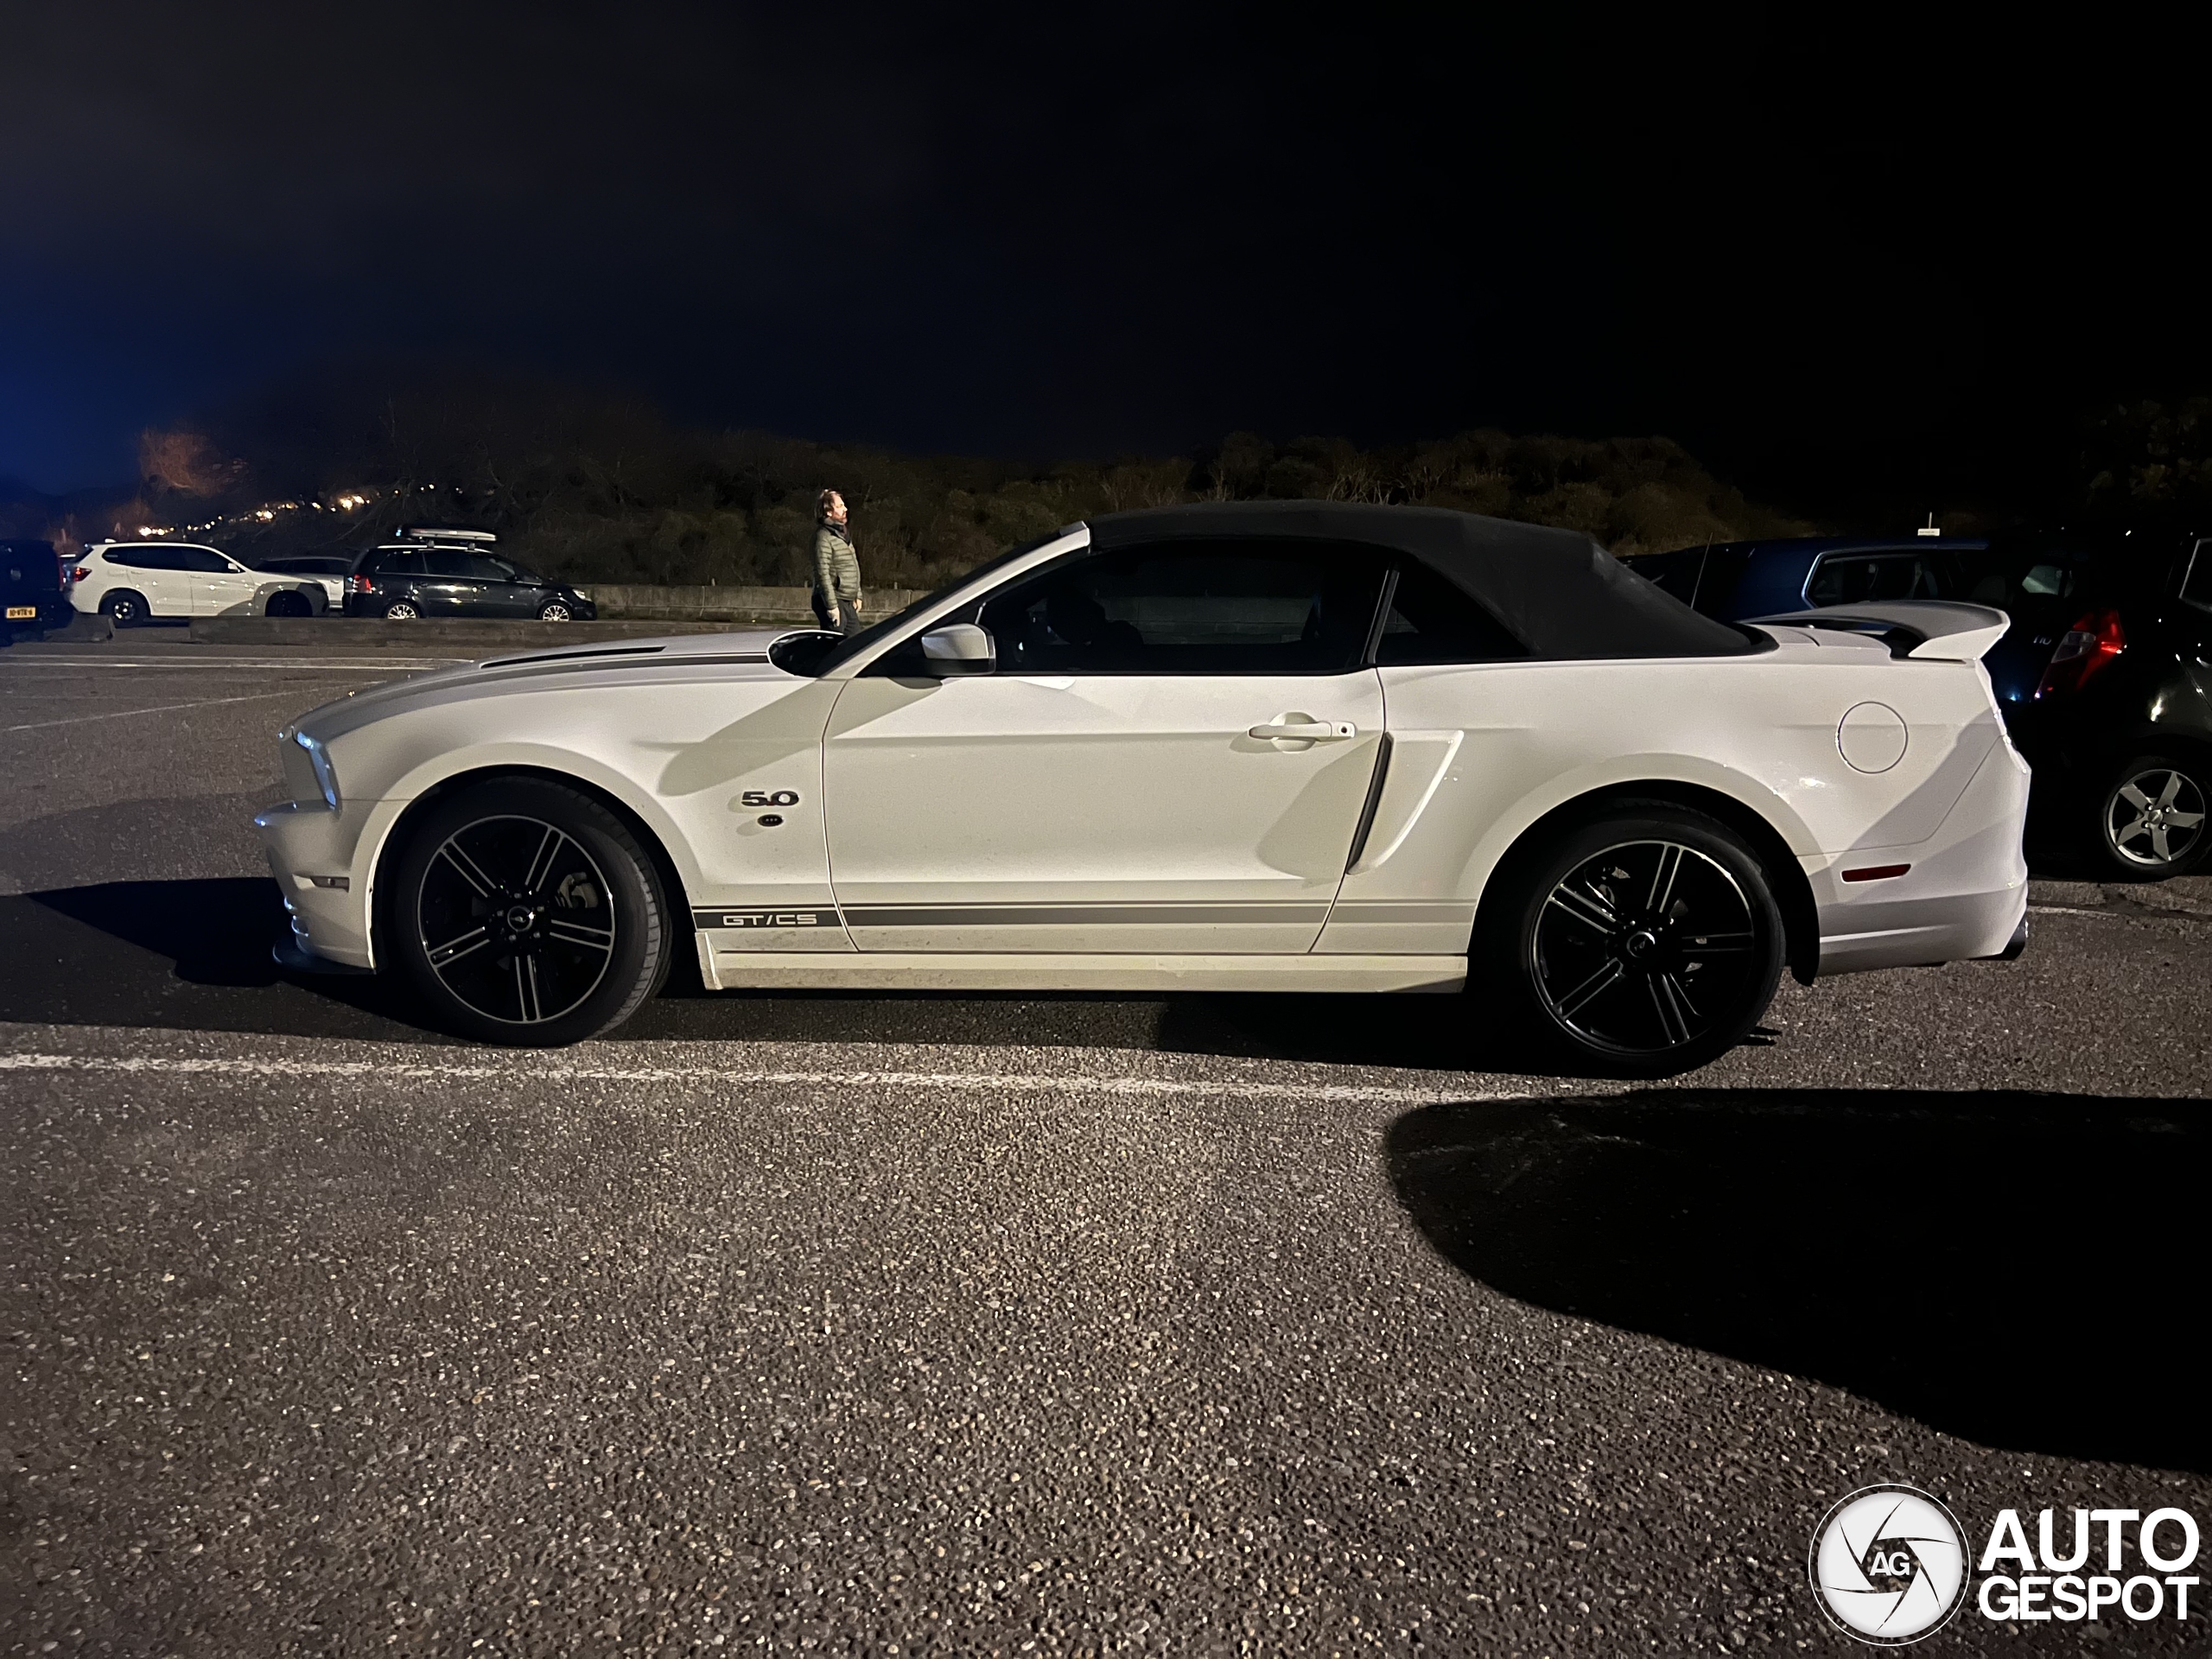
{"type": "Point", "coordinates": [1889, 1565]}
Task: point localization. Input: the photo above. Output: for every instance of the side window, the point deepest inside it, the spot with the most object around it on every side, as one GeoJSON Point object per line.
{"type": "Point", "coordinates": [200, 558]}
{"type": "Point", "coordinates": [399, 563]}
{"type": "Point", "coordinates": [1228, 607]}
{"type": "Point", "coordinates": [444, 562]}
{"type": "Point", "coordinates": [2196, 581]}
{"type": "Point", "coordinates": [1431, 620]}
{"type": "Point", "coordinates": [1856, 578]}
{"type": "Point", "coordinates": [486, 570]}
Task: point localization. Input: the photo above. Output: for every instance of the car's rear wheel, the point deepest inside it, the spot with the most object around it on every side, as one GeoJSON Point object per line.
{"type": "Point", "coordinates": [1642, 943]}
{"type": "Point", "coordinates": [401, 610]}
{"type": "Point", "coordinates": [288, 604]}
{"type": "Point", "coordinates": [526, 913]}
{"type": "Point", "coordinates": [123, 607]}
{"type": "Point", "coordinates": [2150, 816]}
{"type": "Point", "coordinates": [556, 610]}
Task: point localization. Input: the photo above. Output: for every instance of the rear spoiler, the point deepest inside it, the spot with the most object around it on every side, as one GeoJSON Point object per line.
{"type": "Point", "coordinates": [1939, 628]}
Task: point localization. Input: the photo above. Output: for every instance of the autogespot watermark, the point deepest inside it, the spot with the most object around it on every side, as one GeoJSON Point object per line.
{"type": "Point", "coordinates": [1890, 1565]}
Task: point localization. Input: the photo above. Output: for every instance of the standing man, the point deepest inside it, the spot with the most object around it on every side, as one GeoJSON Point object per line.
{"type": "Point", "coordinates": [837, 569]}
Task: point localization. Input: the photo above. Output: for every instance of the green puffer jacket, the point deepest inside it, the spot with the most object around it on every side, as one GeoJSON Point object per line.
{"type": "Point", "coordinates": [837, 569]}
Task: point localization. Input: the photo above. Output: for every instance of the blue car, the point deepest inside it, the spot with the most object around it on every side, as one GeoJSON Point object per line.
{"type": "Point", "coordinates": [1732, 581]}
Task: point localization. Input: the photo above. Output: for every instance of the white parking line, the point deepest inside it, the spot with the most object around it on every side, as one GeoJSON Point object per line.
{"type": "Point", "coordinates": [305, 666]}
{"type": "Point", "coordinates": [159, 708]}
{"type": "Point", "coordinates": [569, 1071]}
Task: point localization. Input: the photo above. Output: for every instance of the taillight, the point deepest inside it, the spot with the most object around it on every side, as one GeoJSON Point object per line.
{"type": "Point", "coordinates": [79, 574]}
{"type": "Point", "coordinates": [2082, 650]}
{"type": "Point", "coordinates": [360, 585]}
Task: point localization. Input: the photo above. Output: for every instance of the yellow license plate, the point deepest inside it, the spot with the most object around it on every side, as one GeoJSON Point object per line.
{"type": "Point", "coordinates": [20, 612]}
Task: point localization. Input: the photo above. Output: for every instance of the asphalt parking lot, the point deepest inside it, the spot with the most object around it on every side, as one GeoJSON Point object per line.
{"type": "Point", "coordinates": [972, 1325]}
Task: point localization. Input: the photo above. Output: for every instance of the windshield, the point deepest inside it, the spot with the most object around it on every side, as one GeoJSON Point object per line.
{"type": "Point", "coordinates": [876, 631]}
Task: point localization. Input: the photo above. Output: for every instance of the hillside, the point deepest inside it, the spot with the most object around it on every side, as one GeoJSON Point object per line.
{"type": "Point", "coordinates": [608, 490]}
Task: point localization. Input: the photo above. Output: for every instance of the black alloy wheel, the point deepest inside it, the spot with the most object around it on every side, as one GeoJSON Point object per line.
{"type": "Point", "coordinates": [1644, 943]}
{"type": "Point", "coordinates": [288, 604]}
{"type": "Point", "coordinates": [555, 610]}
{"type": "Point", "coordinates": [2151, 816]}
{"type": "Point", "coordinates": [123, 607]}
{"type": "Point", "coordinates": [527, 914]}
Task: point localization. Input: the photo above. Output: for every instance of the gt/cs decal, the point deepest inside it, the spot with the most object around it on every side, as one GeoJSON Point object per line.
{"type": "Point", "coordinates": [767, 918]}
{"type": "Point", "coordinates": [769, 798]}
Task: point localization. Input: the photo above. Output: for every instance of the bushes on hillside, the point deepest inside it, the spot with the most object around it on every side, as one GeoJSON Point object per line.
{"type": "Point", "coordinates": [608, 491]}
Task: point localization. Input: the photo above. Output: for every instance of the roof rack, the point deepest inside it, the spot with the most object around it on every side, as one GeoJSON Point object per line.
{"type": "Point", "coordinates": [442, 533]}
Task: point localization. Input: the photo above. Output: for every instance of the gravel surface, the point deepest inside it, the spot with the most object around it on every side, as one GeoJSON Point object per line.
{"type": "Point", "coordinates": [1047, 1324]}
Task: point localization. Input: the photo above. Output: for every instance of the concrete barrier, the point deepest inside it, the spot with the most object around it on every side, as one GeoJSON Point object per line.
{"type": "Point", "coordinates": [727, 604]}
{"type": "Point", "coordinates": [460, 636]}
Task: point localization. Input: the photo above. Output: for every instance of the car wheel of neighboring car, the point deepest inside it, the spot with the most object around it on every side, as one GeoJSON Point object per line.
{"type": "Point", "coordinates": [527, 914]}
{"type": "Point", "coordinates": [2150, 816]}
{"type": "Point", "coordinates": [123, 607]}
{"type": "Point", "coordinates": [555, 610]}
{"type": "Point", "coordinates": [1643, 943]}
{"type": "Point", "coordinates": [401, 610]}
{"type": "Point", "coordinates": [288, 605]}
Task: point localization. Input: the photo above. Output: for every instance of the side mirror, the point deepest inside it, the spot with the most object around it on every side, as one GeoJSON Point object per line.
{"type": "Point", "coordinates": [957, 648]}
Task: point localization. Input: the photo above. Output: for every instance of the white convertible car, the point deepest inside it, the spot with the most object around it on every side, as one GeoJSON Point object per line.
{"type": "Point", "coordinates": [1272, 746]}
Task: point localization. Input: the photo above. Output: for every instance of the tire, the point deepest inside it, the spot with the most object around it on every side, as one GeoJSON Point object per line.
{"type": "Point", "coordinates": [526, 915]}
{"type": "Point", "coordinates": [401, 610]}
{"type": "Point", "coordinates": [556, 610]}
{"type": "Point", "coordinates": [2150, 822]}
{"type": "Point", "coordinates": [124, 607]}
{"type": "Point", "coordinates": [288, 604]}
{"type": "Point", "coordinates": [1642, 943]}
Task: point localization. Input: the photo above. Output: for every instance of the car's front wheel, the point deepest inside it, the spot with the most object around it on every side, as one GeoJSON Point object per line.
{"type": "Point", "coordinates": [2150, 816]}
{"type": "Point", "coordinates": [555, 610]}
{"type": "Point", "coordinates": [526, 913]}
{"type": "Point", "coordinates": [1643, 942]}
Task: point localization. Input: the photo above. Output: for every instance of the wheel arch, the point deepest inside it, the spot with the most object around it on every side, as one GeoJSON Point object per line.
{"type": "Point", "coordinates": [1793, 892]}
{"type": "Point", "coordinates": [396, 839]}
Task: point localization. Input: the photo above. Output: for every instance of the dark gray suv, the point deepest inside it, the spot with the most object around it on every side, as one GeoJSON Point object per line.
{"type": "Point", "coordinates": [409, 580]}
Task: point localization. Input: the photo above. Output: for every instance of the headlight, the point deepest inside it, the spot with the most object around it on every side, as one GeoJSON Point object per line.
{"type": "Point", "coordinates": [325, 777]}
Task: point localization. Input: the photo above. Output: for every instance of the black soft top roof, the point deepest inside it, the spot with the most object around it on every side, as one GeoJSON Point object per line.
{"type": "Point", "coordinates": [1556, 590]}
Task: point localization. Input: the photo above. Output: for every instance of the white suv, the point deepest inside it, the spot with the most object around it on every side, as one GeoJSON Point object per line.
{"type": "Point", "coordinates": [131, 581]}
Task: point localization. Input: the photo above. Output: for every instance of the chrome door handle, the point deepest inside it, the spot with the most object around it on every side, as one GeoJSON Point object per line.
{"type": "Point", "coordinates": [1296, 729]}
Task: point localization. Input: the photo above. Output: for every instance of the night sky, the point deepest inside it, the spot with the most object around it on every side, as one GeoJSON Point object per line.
{"type": "Point", "coordinates": [1074, 229]}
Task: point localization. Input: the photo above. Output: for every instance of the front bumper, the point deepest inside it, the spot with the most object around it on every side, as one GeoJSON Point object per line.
{"type": "Point", "coordinates": [315, 854]}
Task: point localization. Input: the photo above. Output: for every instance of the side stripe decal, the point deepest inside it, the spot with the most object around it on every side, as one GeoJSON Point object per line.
{"type": "Point", "coordinates": [1100, 915]}
{"type": "Point", "coordinates": [1165, 914]}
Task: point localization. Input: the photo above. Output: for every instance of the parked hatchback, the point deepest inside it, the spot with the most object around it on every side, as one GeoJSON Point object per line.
{"type": "Point", "coordinates": [2106, 681]}
{"type": "Point", "coordinates": [404, 580]}
{"type": "Point", "coordinates": [2105, 675]}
